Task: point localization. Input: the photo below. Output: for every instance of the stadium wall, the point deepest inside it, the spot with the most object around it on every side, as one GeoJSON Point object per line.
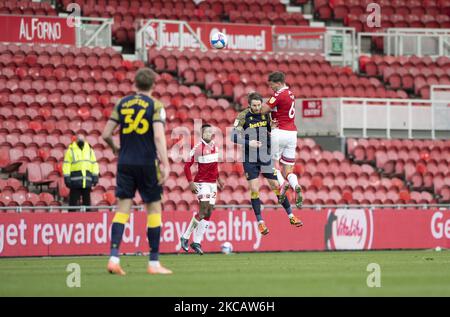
{"type": "Point", "coordinates": [54, 234]}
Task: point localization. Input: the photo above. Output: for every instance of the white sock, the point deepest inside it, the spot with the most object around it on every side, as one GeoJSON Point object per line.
{"type": "Point", "coordinates": [280, 177]}
{"type": "Point", "coordinates": [201, 229]}
{"type": "Point", "coordinates": [192, 225]}
{"type": "Point", "coordinates": [293, 181]}
{"type": "Point", "coordinates": [154, 263]}
{"type": "Point", "coordinates": [114, 259]}
{"type": "Point", "coordinates": [291, 215]}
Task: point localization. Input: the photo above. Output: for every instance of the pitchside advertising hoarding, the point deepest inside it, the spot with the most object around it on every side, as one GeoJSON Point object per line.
{"type": "Point", "coordinates": [36, 29]}
{"type": "Point", "coordinates": [245, 37]}
{"type": "Point", "coordinates": [28, 234]}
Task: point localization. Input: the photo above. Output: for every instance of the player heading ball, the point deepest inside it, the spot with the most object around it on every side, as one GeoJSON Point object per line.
{"type": "Point", "coordinates": [281, 106]}
{"type": "Point", "coordinates": [252, 130]}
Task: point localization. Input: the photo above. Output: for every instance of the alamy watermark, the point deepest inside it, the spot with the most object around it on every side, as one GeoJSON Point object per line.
{"type": "Point", "coordinates": [74, 278]}
{"type": "Point", "coordinates": [374, 278]}
{"type": "Point", "coordinates": [73, 19]}
{"type": "Point", "coordinates": [374, 18]}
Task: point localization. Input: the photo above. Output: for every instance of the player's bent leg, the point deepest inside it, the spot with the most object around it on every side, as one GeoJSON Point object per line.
{"type": "Point", "coordinates": [118, 225]}
{"type": "Point", "coordinates": [184, 244]}
{"type": "Point", "coordinates": [193, 224]}
{"type": "Point", "coordinates": [195, 221]}
{"type": "Point", "coordinates": [202, 227]}
{"type": "Point", "coordinates": [154, 235]}
{"type": "Point", "coordinates": [282, 189]}
{"type": "Point", "coordinates": [254, 198]}
{"type": "Point", "coordinates": [298, 196]}
{"type": "Point", "coordinates": [283, 184]}
{"type": "Point", "coordinates": [286, 205]}
{"type": "Point", "coordinates": [274, 185]}
{"type": "Point", "coordinates": [256, 204]}
{"type": "Point", "coordinates": [293, 181]}
{"type": "Point", "coordinates": [252, 172]}
{"type": "Point", "coordinates": [197, 247]}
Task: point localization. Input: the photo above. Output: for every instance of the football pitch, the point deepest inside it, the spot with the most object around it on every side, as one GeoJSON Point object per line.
{"type": "Point", "coordinates": [402, 273]}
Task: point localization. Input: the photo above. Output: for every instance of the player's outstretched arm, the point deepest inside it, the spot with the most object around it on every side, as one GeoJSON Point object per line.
{"type": "Point", "coordinates": [108, 133]}
{"type": "Point", "coordinates": [161, 149]}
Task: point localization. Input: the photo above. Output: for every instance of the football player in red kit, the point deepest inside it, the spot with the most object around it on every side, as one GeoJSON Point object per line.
{"type": "Point", "coordinates": [284, 138]}
{"type": "Point", "coordinates": [206, 154]}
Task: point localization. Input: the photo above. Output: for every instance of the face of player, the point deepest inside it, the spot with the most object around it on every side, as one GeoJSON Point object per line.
{"type": "Point", "coordinates": [207, 134]}
{"type": "Point", "coordinates": [275, 86]}
{"type": "Point", "coordinates": [255, 106]}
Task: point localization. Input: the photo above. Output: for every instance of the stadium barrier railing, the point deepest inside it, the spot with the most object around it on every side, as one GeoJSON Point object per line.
{"type": "Point", "coordinates": [440, 92]}
{"type": "Point", "coordinates": [373, 117]}
{"type": "Point", "coordinates": [94, 31]}
{"type": "Point", "coordinates": [408, 41]}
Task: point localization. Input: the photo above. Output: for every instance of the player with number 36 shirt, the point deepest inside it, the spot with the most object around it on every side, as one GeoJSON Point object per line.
{"type": "Point", "coordinates": [284, 137]}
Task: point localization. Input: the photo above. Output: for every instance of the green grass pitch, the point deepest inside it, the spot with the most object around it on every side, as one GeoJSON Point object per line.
{"type": "Point", "coordinates": [403, 273]}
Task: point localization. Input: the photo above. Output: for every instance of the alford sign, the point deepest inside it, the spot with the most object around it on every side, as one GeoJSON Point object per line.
{"type": "Point", "coordinates": [36, 29]}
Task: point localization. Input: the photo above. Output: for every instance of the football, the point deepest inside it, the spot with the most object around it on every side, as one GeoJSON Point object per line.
{"type": "Point", "coordinates": [218, 40]}
{"type": "Point", "coordinates": [227, 248]}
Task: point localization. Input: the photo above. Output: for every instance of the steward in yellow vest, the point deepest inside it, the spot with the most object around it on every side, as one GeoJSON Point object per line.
{"type": "Point", "coordinates": [80, 169]}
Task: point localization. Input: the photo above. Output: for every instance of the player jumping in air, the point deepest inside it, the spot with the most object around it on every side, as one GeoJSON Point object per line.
{"type": "Point", "coordinates": [252, 130]}
{"type": "Point", "coordinates": [206, 154]}
{"type": "Point", "coordinates": [141, 120]}
{"type": "Point", "coordinates": [284, 137]}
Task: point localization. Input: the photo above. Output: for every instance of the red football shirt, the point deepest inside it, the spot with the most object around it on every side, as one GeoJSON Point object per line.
{"type": "Point", "coordinates": [283, 109]}
{"type": "Point", "coordinates": [207, 157]}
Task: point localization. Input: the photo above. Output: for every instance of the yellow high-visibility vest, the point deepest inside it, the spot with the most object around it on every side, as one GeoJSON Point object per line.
{"type": "Point", "coordinates": [80, 165]}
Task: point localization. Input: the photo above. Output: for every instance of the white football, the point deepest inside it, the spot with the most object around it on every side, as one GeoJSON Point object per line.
{"type": "Point", "coordinates": [227, 248]}
{"type": "Point", "coordinates": [218, 40]}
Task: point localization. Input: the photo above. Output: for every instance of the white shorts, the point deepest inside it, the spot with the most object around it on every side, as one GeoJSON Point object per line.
{"type": "Point", "coordinates": [207, 192]}
{"type": "Point", "coordinates": [283, 144]}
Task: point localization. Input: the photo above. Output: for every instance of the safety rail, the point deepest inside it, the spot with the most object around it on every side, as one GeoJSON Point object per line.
{"type": "Point", "coordinates": [373, 117]}
{"type": "Point", "coordinates": [20, 209]}
{"type": "Point", "coordinates": [406, 41]}
{"type": "Point", "coordinates": [398, 44]}
{"type": "Point", "coordinates": [94, 31]}
{"type": "Point", "coordinates": [440, 92]}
